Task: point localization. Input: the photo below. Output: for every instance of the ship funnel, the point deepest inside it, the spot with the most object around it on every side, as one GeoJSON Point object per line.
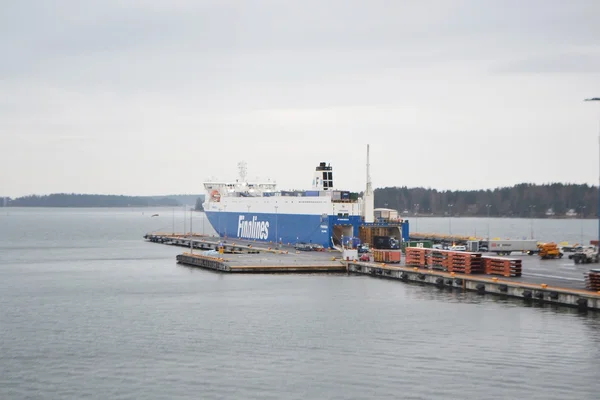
{"type": "Point", "coordinates": [369, 198]}
{"type": "Point", "coordinates": [323, 178]}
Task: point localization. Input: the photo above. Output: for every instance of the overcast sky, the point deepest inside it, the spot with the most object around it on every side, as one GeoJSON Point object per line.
{"type": "Point", "coordinates": [152, 97]}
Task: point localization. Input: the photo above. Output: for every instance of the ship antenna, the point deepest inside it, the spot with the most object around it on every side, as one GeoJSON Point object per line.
{"type": "Point", "coordinates": [369, 184]}
{"type": "Point", "coordinates": [242, 168]}
{"type": "Point", "coordinates": [368, 198]}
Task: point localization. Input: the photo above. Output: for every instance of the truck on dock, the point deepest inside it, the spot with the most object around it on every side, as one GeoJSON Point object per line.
{"type": "Point", "coordinates": [549, 251]}
{"type": "Point", "coordinates": [586, 255]}
{"type": "Point", "coordinates": [506, 247]}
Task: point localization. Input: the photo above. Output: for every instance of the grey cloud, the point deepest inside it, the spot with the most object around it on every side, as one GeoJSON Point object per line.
{"type": "Point", "coordinates": [421, 80]}
{"type": "Point", "coordinates": [568, 62]}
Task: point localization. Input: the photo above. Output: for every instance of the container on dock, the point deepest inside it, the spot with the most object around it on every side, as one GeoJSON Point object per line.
{"type": "Point", "coordinates": [385, 242]}
{"type": "Point", "coordinates": [424, 244]}
{"type": "Point", "coordinates": [336, 195]}
{"type": "Point", "coordinates": [387, 256]}
{"type": "Point", "coordinates": [350, 254]}
{"type": "Point", "coordinates": [311, 193]}
{"type": "Point", "coordinates": [354, 196]}
{"type": "Point", "coordinates": [345, 195]}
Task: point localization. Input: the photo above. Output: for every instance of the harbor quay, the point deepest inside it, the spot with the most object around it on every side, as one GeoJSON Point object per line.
{"type": "Point", "coordinates": [559, 281]}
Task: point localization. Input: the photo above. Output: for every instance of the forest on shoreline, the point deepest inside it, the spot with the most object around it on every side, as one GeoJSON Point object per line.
{"type": "Point", "coordinates": [99, 200]}
{"type": "Point", "coordinates": [525, 200]}
{"type": "Point", "coordinates": [555, 200]}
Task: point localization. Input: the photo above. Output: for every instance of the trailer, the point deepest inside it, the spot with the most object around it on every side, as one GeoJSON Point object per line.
{"type": "Point", "coordinates": [505, 247]}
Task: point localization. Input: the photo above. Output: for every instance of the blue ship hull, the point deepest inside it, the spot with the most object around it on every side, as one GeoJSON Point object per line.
{"type": "Point", "coordinates": [285, 228]}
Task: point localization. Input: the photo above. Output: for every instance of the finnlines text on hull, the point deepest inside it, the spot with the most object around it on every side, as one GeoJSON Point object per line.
{"type": "Point", "coordinates": [252, 229]}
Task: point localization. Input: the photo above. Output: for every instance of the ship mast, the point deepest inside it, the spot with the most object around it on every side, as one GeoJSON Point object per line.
{"type": "Point", "coordinates": [369, 198]}
{"type": "Point", "coordinates": [243, 170]}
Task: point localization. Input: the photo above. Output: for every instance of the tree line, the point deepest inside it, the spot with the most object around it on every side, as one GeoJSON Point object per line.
{"type": "Point", "coordinates": [89, 200]}
{"type": "Point", "coordinates": [523, 200]}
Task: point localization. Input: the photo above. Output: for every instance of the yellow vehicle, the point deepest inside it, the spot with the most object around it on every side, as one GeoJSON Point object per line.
{"type": "Point", "coordinates": [549, 250]}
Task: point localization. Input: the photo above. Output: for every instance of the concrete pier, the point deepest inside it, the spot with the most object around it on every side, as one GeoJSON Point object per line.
{"type": "Point", "coordinates": [263, 263]}
{"type": "Point", "coordinates": [558, 282]}
{"type": "Point", "coordinates": [582, 299]}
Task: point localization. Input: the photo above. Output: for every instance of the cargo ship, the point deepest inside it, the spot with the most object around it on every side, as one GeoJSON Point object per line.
{"type": "Point", "coordinates": [322, 216]}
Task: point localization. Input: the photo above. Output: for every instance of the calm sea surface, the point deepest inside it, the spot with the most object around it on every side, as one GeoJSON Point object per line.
{"type": "Point", "coordinates": [89, 310]}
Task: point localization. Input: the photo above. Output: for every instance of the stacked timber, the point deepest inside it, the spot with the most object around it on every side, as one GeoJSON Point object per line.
{"type": "Point", "coordinates": [502, 266]}
{"type": "Point", "coordinates": [416, 257]}
{"type": "Point", "coordinates": [440, 260]}
{"type": "Point", "coordinates": [592, 280]}
{"type": "Point", "coordinates": [466, 263]}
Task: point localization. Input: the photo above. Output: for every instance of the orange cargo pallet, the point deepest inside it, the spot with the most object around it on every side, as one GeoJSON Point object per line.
{"type": "Point", "coordinates": [416, 257]}
{"type": "Point", "coordinates": [502, 266]}
{"type": "Point", "coordinates": [592, 280]}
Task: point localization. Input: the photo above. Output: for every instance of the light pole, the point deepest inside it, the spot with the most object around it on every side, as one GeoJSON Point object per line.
{"type": "Point", "coordinates": [531, 211]}
{"type": "Point", "coordinates": [416, 217]}
{"type": "Point", "coordinates": [225, 227]}
{"type": "Point", "coordinates": [173, 221]}
{"type": "Point", "coordinates": [191, 233]}
{"type": "Point", "coordinates": [219, 231]}
{"type": "Point", "coordinates": [488, 206]}
{"type": "Point", "coordinates": [598, 238]}
{"type": "Point", "coordinates": [450, 218]}
{"type": "Point", "coordinates": [184, 219]}
{"type": "Point", "coordinates": [276, 228]}
{"type": "Point", "coordinates": [581, 216]}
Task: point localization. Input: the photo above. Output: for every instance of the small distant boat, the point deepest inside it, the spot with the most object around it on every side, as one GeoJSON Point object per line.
{"type": "Point", "coordinates": [154, 215]}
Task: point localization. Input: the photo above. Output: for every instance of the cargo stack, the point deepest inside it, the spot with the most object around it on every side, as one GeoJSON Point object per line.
{"type": "Point", "coordinates": [502, 266]}
{"type": "Point", "coordinates": [440, 260]}
{"type": "Point", "coordinates": [466, 263]}
{"type": "Point", "coordinates": [592, 280]}
{"type": "Point", "coordinates": [416, 257]}
{"type": "Point", "coordinates": [387, 256]}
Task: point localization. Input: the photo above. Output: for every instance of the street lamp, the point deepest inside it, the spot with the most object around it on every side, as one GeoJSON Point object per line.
{"type": "Point", "coordinates": [184, 219]}
{"type": "Point", "coordinates": [219, 231]}
{"type": "Point", "coordinates": [450, 218]}
{"type": "Point", "coordinates": [191, 232]}
{"type": "Point", "coordinates": [417, 217]}
{"type": "Point", "coordinates": [488, 206]}
{"type": "Point", "coordinates": [531, 211]}
{"type": "Point", "coordinates": [581, 216]}
{"type": "Point", "coordinates": [225, 227]}
{"type": "Point", "coordinates": [598, 99]}
{"type": "Point", "coordinates": [276, 228]}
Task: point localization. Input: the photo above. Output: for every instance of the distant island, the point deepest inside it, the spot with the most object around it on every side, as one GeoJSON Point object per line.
{"type": "Point", "coordinates": [525, 200]}
{"type": "Point", "coordinates": [100, 200]}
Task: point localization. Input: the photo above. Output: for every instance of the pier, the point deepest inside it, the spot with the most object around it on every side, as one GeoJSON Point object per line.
{"type": "Point", "coordinates": [547, 281]}
{"type": "Point", "coordinates": [524, 287]}
{"type": "Point", "coordinates": [244, 256]}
